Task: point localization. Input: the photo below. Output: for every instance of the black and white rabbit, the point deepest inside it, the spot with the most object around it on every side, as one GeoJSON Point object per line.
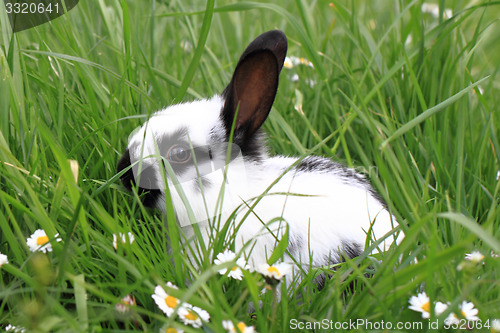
{"type": "Point", "coordinates": [330, 209]}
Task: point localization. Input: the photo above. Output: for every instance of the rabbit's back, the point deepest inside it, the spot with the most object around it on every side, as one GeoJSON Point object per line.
{"type": "Point", "coordinates": [328, 208]}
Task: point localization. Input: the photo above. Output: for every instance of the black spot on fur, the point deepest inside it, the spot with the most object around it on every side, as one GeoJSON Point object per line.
{"type": "Point", "coordinates": [317, 164]}
{"type": "Point", "coordinates": [378, 197]}
{"type": "Point", "coordinates": [295, 243]}
{"type": "Point", "coordinates": [320, 164]}
{"type": "Point", "coordinates": [166, 142]}
{"type": "Point", "coordinates": [348, 251]}
{"type": "Point", "coordinates": [217, 134]}
{"type": "Point", "coordinates": [205, 183]}
{"type": "Point", "coordinates": [351, 250]}
{"type": "Point", "coordinates": [320, 281]}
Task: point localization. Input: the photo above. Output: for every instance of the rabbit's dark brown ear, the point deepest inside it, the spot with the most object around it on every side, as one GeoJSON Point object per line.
{"type": "Point", "coordinates": [254, 84]}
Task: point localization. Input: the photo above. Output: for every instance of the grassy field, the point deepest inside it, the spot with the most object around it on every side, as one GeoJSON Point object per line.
{"type": "Point", "coordinates": [408, 95]}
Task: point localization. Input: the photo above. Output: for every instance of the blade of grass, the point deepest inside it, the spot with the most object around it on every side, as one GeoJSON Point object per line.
{"type": "Point", "coordinates": [428, 113]}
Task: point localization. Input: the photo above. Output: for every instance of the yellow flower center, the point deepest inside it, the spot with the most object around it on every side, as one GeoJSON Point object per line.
{"type": "Point", "coordinates": [234, 268]}
{"type": "Point", "coordinates": [42, 240]}
{"type": "Point", "coordinates": [191, 315]}
{"type": "Point", "coordinates": [273, 269]}
{"type": "Point", "coordinates": [426, 307]}
{"type": "Point", "coordinates": [464, 314]}
{"type": "Point", "coordinates": [171, 330]}
{"type": "Point", "coordinates": [241, 326]}
{"type": "Point", "coordinates": [171, 301]}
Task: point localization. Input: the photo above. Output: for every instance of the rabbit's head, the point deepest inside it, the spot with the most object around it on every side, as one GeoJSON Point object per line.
{"type": "Point", "coordinates": [190, 144]}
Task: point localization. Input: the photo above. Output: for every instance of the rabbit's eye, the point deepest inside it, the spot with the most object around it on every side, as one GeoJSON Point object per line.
{"type": "Point", "coordinates": [178, 154]}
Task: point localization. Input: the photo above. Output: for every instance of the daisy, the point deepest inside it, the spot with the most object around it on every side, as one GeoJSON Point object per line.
{"type": "Point", "coordinates": [468, 311]}
{"type": "Point", "coordinates": [433, 9]}
{"type": "Point", "coordinates": [39, 241]}
{"type": "Point", "coordinates": [288, 63]}
{"type": "Point", "coordinates": [475, 257]}
{"type": "Point", "coordinates": [292, 61]}
{"type": "Point", "coordinates": [235, 272]}
{"type": "Point", "coordinates": [495, 325]}
{"type": "Point", "coordinates": [124, 239]}
{"type": "Point", "coordinates": [193, 315]}
{"type": "Point", "coordinates": [17, 329]}
{"type": "Point", "coordinates": [186, 46]}
{"type": "Point", "coordinates": [452, 319]}
{"type": "Point", "coordinates": [166, 302]}
{"type": "Point", "coordinates": [273, 274]}
{"type": "Point", "coordinates": [125, 304]}
{"type": "Point", "coordinates": [421, 303]}
{"type": "Point", "coordinates": [439, 308]}
{"type": "Point", "coordinates": [229, 326]}
{"type": "Point", "coordinates": [169, 329]}
{"type": "Point", "coordinates": [3, 259]}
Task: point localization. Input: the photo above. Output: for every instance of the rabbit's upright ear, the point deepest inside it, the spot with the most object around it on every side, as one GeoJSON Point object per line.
{"type": "Point", "coordinates": [254, 84]}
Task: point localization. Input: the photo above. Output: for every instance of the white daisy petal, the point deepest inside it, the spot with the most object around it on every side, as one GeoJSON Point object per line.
{"type": "Point", "coordinates": [452, 319]}
{"type": "Point", "coordinates": [166, 302]}
{"type": "Point", "coordinates": [16, 329]}
{"type": "Point", "coordinates": [170, 329]}
{"type": "Point", "coordinates": [288, 63]}
{"type": "Point", "coordinates": [39, 241]}
{"type": "Point", "coordinates": [475, 257]}
{"type": "Point", "coordinates": [468, 311]}
{"type": "Point", "coordinates": [293, 61]}
{"type": "Point", "coordinates": [275, 273]}
{"type": "Point", "coordinates": [228, 256]}
{"type": "Point", "coordinates": [193, 315]}
{"type": "Point", "coordinates": [229, 326]}
{"type": "Point", "coordinates": [421, 303]}
{"type": "Point", "coordinates": [122, 238]}
{"type": "Point", "coordinates": [439, 308]}
{"type": "Point", "coordinates": [125, 304]}
{"type": "Point", "coordinates": [3, 259]}
{"type": "Point", "coordinates": [433, 10]}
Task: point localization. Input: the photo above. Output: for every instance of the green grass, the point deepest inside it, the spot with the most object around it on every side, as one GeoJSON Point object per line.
{"type": "Point", "coordinates": [396, 93]}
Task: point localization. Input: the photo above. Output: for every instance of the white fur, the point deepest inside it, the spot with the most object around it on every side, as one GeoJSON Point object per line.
{"type": "Point", "coordinates": [323, 210]}
{"type": "Point", "coordinates": [198, 117]}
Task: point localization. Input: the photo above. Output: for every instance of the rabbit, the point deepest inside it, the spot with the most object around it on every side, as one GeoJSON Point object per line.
{"type": "Point", "coordinates": [213, 156]}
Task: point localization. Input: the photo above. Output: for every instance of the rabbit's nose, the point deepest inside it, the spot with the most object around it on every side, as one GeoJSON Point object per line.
{"type": "Point", "coordinates": [147, 189]}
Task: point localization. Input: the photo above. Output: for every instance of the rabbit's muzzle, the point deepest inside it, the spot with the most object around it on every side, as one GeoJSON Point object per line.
{"type": "Point", "coordinates": [146, 190]}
